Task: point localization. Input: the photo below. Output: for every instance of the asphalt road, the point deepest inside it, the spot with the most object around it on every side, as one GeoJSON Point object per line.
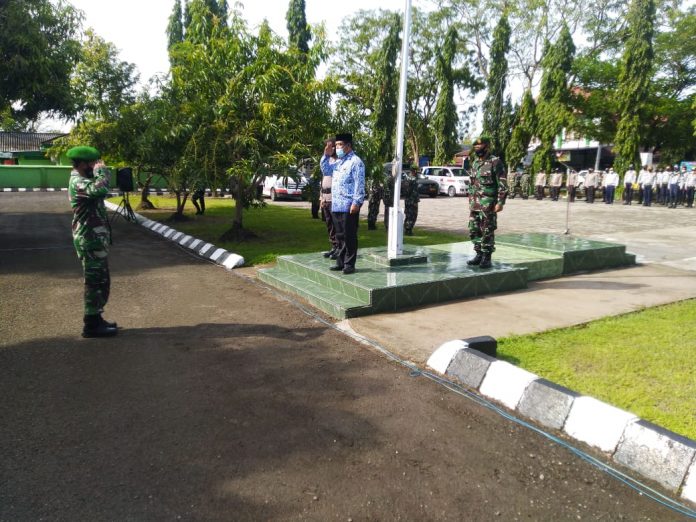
{"type": "Point", "coordinates": [220, 401]}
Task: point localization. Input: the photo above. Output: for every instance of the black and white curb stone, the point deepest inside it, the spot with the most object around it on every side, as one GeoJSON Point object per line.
{"type": "Point", "coordinates": [209, 251]}
{"type": "Point", "coordinates": [654, 452]}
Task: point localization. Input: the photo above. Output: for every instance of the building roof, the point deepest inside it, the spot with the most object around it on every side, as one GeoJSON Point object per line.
{"type": "Point", "coordinates": [27, 141]}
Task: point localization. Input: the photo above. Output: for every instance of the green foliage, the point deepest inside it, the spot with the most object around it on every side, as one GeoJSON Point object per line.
{"type": "Point", "coordinates": [641, 362]}
{"type": "Point", "coordinates": [445, 118]}
{"type": "Point", "coordinates": [635, 77]}
{"type": "Point", "coordinates": [298, 30]}
{"type": "Point", "coordinates": [493, 105]}
{"type": "Point", "coordinates": [102, 83]}
{"type": "Point", "coordinates": [553, 108]}
{"type": "Point", "coordinates": [38, 50]}
{"type": "Point", "coordinates": [524, 128]}
{"type": "Point", "coordinates": [175, 27]}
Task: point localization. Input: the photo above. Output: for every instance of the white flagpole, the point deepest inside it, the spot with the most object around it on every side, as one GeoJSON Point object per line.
{"type": "Point", "coordinates": [396, 218]}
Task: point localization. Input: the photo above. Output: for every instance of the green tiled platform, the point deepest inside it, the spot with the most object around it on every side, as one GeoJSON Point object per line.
{"type": "Point", "coordinates": [376, 287]}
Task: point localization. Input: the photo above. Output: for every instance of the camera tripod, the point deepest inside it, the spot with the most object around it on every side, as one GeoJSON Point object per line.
{"type": "Point", "coordinates": [124, 209]}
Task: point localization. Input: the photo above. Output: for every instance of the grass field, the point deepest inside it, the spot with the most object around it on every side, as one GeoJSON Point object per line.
{"type": "Point", "coordinates": [643, 362]}
{"type": "Point", "coordinates": [281, 230]}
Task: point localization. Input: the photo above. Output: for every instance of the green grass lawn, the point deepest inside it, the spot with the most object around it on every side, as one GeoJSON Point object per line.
{"type": "Point", "coordinates": [281, 230]}
{"type": "Point", "coordinates": [643, 362]}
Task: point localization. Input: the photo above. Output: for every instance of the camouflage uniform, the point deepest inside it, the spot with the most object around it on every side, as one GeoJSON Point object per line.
{"type": "Point", "coordinates": [92, 235]}
{"type": "Point", "coordinates": [525, 185]}
{"type": "Point", "coordinates": [375, 193]}
{"type": "Point", "coordinates": [411, 204]}
{"type": "Point", "coordinates": [487, 189]}
{"type": "Point", "coordinates": [388, 199]}
{"type": "Point", "coordinates": [516, 185]}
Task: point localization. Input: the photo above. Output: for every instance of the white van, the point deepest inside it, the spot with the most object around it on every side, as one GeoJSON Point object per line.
{"type": "Point", "coordinates": [452, 180]}
{"type": "Point", "coordinates": [277, 187]}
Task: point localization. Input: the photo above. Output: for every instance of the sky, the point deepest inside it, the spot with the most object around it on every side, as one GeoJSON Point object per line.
{"type": "Point", "coordinates": [137, 27]}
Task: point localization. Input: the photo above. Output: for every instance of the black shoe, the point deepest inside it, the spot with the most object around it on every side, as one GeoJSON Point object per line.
{"type": "Point", "coordinates": [334, 256]}
{"type": "Point", "coordinates": [475, 261]}
{"type": "Point", "coordinates": [485, 261]}
{"type": "Point", "coordinates": [329, 253]}
{"type": "Point", "coordinates": [336, 268]}
{"type": "Point", "coordinates": [349, 270]}
{"type": "Point", "coordinates": [94, 327]}
{"type": "Point", "coordinates": [107, 323]}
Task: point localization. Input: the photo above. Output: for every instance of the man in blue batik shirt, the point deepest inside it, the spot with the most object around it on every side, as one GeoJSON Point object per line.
{"type": "Point", "coordinates": [347, 196]}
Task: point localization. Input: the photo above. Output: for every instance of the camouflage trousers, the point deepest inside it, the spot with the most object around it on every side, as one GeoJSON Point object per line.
{"type": "Point", "coordinates": [373, 210]}
{"type": "Point", "coordinates": [482, 225]}
{"type": "Point", "coordinates": [97, 280]}
{"type": "Point", "coordinates": [411, 215]}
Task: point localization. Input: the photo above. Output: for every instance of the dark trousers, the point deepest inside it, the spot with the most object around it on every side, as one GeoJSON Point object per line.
{"type": "Point", "coordinates": [673, 195]}
{"type": "Point", "coordinates": [628, 193]}
{"type": "Point", "coordinates": [198, 200]}
{"type": "Point", "coordinates": [330, 227]}
{"type": "Point", "coordinates": [690, 196]}
{"type": "Point", "coordinates": [609, 192]}
{"type": "Point", "coordinates": [540, 192]}
{"type": "Point", "coordinates": [590, 194]}
{"type": "Point", "coordinates": [663, 195]}
{"type": "Point", "coordinates": [647, 195]}
{"type": "Point", "coordinates": [571, 193]}
{"type": "Point", "coordinates": [555, 192]}
{"type": "Point", "coordinates": [347, 236]}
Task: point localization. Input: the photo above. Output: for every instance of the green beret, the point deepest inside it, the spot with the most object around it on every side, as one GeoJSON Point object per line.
{"type": "Point", "coordinates": [483, 139]}
{"type": "Point", "coordinates": [83, 153]}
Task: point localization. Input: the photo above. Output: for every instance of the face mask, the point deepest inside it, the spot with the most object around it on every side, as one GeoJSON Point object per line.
{"type": "Point", "coordinates": [480, 152]}
{"type": "Point", "coordinates": [340, 153]}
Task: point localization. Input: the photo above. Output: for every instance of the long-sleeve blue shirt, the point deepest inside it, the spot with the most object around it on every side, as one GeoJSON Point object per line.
{"type": "Point", "coordinates": [347, 183]}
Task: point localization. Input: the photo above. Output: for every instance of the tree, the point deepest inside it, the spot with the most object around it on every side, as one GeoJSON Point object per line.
{"type": "Point", "coordinates": [445, 118]}
{"type": "Point", "coordinates": [38, 50]}
{"type": "Point", "coordinates": [553, 108]}
{"type": "Point", "coordinates": [493, 105]}
{"type": "Point", "coordinates": [635, 76]}
{"type": "Point", "coordinates": [298, 30]}
{"type": "Point", "coordinates": [522, 131]}
{"type": "Point", "coordinates": [102, 83]}
{"type": "Point", "coordinates": [175, 27]}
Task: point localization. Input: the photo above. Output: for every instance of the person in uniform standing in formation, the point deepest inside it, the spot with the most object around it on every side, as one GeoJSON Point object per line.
{"type": "Point", "coordinates": [674, 182]}
{"type": "Point", "coordinates": [611, 180]}
{"type": "Point", "coordinates": [662, 179]}
{"type": "Point", "coordinates": [572, 185]}
{"type": "Point", "coordinates": [515, 185]}
{"type": "Point", "coordinates": [347, 196]}
{"type": "Point", "coordinates": [690, 186]}
{"type": "Point", "coordinates": [375, 194]}
{"type": "Point", "coordinates": [629, 181]}
{"type": "Point", "coordinates": [388, 198]}
{"type": "Point", "coordinates": [88, 186]}
{"type": "Point", "coordinates": [411, 203]}
{"type": "Point", "coordinates": [487, 193]}
{"type": "Point", "coordinates": [646, 180]}
{"type": "Point", "coordinates": [325, 200]}
{"type": "Point", "coordinates": [525, 184]}
{"type": "Point", "coordinates": [198, 196]}
{"type": "Point", "coordinates": [590, 185]}
{"type": "Point", "coordinates": [555, 182]}
{"type": "Point", "coordinates": [539, 184]}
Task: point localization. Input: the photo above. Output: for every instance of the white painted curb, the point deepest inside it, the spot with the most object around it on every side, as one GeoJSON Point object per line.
{"type": "Point", "coordinates": [219, 256]}
{"type": "Point", "coordinates": [649, 450]}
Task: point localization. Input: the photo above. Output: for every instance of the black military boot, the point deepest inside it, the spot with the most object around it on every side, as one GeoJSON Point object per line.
{"type": "Point", "coordinates": [485, 261]}
{"type": "Point", "coordinates": [95, 328]}
{"type": "Point", "coordinates": [476, 260]}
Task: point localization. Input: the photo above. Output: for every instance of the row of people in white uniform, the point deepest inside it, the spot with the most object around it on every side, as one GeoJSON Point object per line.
{"type": "Point", "coordinates": [672, 187]}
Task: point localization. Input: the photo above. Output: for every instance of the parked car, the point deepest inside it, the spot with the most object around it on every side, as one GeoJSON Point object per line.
{"type": "Point", "coordinates": [277, 186]}
{"type": "Point", "coordinates": [452, 180]}
{"type": "Point", "coordinates": [426, 187]}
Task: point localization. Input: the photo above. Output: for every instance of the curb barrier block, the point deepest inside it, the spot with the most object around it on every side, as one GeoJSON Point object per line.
{"type": "Point", "coordinates": [184, 240]}
{"type": "Point", "coordinates": [597, 423]}
{"type": "Point", "coordinates": [441, 358]}
{"type": "Point", "coordinates": [506, 383]}
{"type": "Point", "coordinates": [223, 257]}
{"type": "Point", "coordinates": [216, 255]}
{"type": "Point", "coordinates": [233, 261]}
{"type": "Point", "coordinates": [194, 244]}
{"type": "Point", "coordinates": [170, 233]}
{"type": "Point", "coordinates": [689, 489]}
{"type": "Point", "coordinates": [470, 367]}
{"type": "Point", "coordinates": [656, 453]}
{"type": "Point", "coordinates": [177, 236]}
{"type": "Point", "coordinates": [483, 343]}
{"type": "Point", "coordinates": [547, 403]}
{"type": "Point", "coordinates": [205, 248]}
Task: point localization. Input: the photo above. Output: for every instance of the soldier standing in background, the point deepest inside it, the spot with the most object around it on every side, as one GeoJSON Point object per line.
{"type": "Point", "coordinates": [662, 187]}
{"type": "Point", "coordinates": [198, 196]}
{"type": "Point", "coordinates": [539, 184]}
{"type": "Point", "coordinates": [516, 184]}
{"type": "Point", "coordinates": [375, 194]}
{"type": "Point", "coordinates": [646, 180]}
{"type": "Point", "coordinates": [572, 185]}
{"type": "Point", "coordinates": [525, 184]}
{"type": "Point", "coordinates": [629, 181]}
{"type": "Point", "coordinates": [555, 182]}
{"type": "Point", "coordinates": [411, 203]}
{"type": "Point", "coordinates": [487, 193]}
{"type": "Point", "coordinates": [388, 198]}
{"type": "Point", "coordinates": [690, 184]}
{"type": "Point", "coordinates": [674, 182]}
{"type": "Point", "coordinates": [91, 232]}
{"type": "Point", "coordinates": [611, 180]}
{"type": "Point", "coordinates": [590, 185]}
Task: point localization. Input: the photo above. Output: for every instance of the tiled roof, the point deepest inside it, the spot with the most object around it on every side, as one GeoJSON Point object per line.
{"type": "Point", "coordinates": [26, 141]}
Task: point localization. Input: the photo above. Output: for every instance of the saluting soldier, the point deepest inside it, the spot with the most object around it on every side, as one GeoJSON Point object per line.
{"type": "Point", "coordinates": [88, 186]}
{"type": "Point", "coordinates": [487, 193]}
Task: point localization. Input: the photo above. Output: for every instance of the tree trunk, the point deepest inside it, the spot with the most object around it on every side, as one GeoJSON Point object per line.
{"type": "Point", "coordinates": [145, 203]}
{"type": "Point", "coordinates": [237, 232]}
{"type": "Point", "coordinates": [181, 197]}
